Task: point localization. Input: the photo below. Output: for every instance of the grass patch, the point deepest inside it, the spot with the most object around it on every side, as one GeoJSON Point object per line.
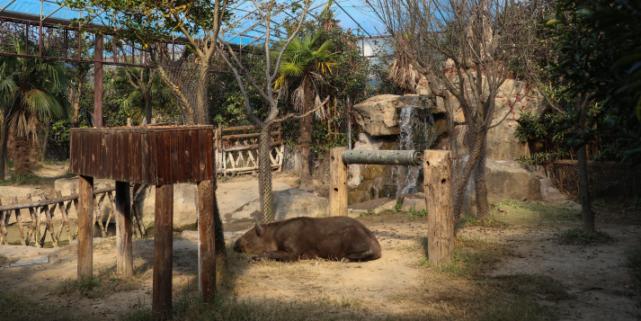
{"type": "Point", "coordinates": [189, 307]}
{"type": "Point", "coordinates": [414, 213]}
{"type": "Point", "coordinates": [502, 298]}
{"type": "Point", "coordinates": [31, 179]}
{"type": "Point", "coordinates": [97, 287]}
{"type": "Point", "coordinates": [634, 264]}
{"type": "Point", "coordinates": [491, 222]}
{"type": "Point", "coordinates": [4, 260]}
{"type": "Point", "coordinates": [15, 307]}
{"type": "Point", "coordinates": [578, 236]}
{"type": "Point", "coordinates": [473, 258]}
{"type": "Point", "coordinates": [511, 308]}
{"type": "Point", "coordinates": [515, 212]}
{"type": "Point", "coordinates": [541, 286]}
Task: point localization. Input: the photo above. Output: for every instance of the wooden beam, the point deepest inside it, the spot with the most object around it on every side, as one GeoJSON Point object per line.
{"type": "Point", "coordinates": [207, 240]}
{"type": "Point", "coordinates": [337, 183]}
{"type": "Point", "coordinates": [85, 227]}
{"type": "Point", "coordinates": [437, 173]}
{"type": "Point", "coordinates": [163, 242]}
{"type": "Point", "coordinates": [124, 254]}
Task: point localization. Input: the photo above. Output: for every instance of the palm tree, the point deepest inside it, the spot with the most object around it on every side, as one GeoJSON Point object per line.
{"type": "Point", "coordinates": [305, 63]}
{"type": "Point", "coordinates": [30, 92]}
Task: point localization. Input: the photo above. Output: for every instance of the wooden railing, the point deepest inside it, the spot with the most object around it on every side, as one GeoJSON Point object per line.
{"type": "Point", "coordinates": [237, 149]}
{"type": "Point", "coordinates": [49, 218]}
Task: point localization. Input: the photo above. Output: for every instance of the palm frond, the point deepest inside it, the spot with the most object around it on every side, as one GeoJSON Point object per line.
{"type": "Point", "coordinates": [41, 103]}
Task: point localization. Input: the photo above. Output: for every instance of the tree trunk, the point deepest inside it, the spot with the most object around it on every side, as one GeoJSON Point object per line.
{"type": "Point", "coordinates": [147, 100]}
{"type": "Point", "coordinates": [480, 184]}
{"type": "Point", "coordinates": [475, 148]}
{"type": "Point", "coordinates": [584, 190]}
{"type": "Point", "coordinates": [146, 96]}
{"type": "Point", "coordinates": [265, 174]}
{"type": "Point", "coordinates": [74, 97]}
{"type": "Point", "coordinates": [3, 147]}
{"type": "Point", "coordinates": [22, 156]}
{"type": "Point", "coordinates": [200, 111]}
{"type": "Point", "coordinates": [305, 135]}
{"type": "Point", "coordinates": [45, 141]}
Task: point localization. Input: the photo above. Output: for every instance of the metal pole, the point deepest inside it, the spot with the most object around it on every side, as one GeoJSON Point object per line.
{"type": "Point", "coordinates": [349, 123]}
{"type": "Point", "coordinates": [98, 82]}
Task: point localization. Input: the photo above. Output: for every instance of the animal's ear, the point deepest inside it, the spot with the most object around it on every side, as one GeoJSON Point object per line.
{"type": "Point", "coordinates": [259, 229]}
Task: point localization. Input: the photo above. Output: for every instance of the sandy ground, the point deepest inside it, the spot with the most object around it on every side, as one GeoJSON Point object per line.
{"type": "Point", "coordinates": [397, 285]}
{"type": "Point", "coordinates": [596, 277]}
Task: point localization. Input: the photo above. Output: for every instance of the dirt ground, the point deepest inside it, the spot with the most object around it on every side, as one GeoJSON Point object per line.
{"type": "Point", "coordinates": [591, 282]}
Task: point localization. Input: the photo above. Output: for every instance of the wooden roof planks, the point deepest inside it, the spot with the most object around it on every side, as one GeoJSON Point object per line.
{"type": "Point", "coordinates": [155, 155]}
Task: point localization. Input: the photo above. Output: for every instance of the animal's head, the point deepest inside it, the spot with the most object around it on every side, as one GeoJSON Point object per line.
{"type": "Point", "coordinates": [255, 241]}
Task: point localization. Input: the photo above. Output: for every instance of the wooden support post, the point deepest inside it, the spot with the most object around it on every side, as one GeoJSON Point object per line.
{"type": "Point", "coordinates": [23, 238]}
{"type": "Point", "coordinates": [337, 183]}
{"type": "Point", "coordinates": [85, 227]}
{"type": "Point", "coordinates": [3, 226]}
{"type": "Point", "coordinates": [124, 255]}
{"type": "Point", "coordinates": [437, 173]}
{"type": "Point", "coordinates": [207, 238]}
{"type": "Point", "coordinates": [163, 239]}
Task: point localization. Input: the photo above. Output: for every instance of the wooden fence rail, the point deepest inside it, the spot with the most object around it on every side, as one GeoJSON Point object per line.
{"type": "Point", "coordinates": [237, 149]}
{"type": "Point", "coordinates": [49, 218]}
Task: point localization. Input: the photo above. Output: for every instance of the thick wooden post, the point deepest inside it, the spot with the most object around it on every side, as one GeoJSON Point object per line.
{"type": "Point", "coordinates": [163, 242]}
{"type": "Point", "coordinates": [337, 183]}
{"type": "Point", "coordinates": [124, 255]}
{"type": "Point", "coordinates": [437, 169]}
{"type": "Point", "coordinates": [207, 239]}
{"type": "Point", "coordinates": [85, 227]}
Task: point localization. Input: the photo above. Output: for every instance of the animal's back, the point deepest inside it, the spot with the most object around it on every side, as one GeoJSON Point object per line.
{"type": "Point", "coordinates": [330, 237]}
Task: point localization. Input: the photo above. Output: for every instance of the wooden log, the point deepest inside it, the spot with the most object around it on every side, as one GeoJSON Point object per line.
{"type": "Point", "coordinates": [23, 238]}
{"type": "Point", "coordinates": [163, 239]}
{"type": "Point", "coordinates": [382, 157]}
{"type": "Point", "coordinates": [64, 212]}
{"type": "Point", "coordinates": [207, 238]}
{"type": "Point", "coordinates": [3, 226]}
{"type": "Point", "coordinates": [337, 183]}
{"type": "Point", "coordinates": [85, 227]}
{"type": "Point", "coordinates": [31, 204]}
{"type": "Point", "coordinates": [124, 230]}
{"type": "Point", "coordinates": [35, 223]}
{"type": "Point", "coordinates": [437, 169]}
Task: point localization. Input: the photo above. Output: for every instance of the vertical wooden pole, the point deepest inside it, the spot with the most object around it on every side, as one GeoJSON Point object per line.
{"type": "Point", "coordinates": [337, 183]}
{"type": "Point", "coordinates": [124, 255]}
{"type": "Point", "coordinates": [163, 242]}
{"type": "Point", "coordinates": [437, 171]}
{"type": "Point", "coordinates": [3, 227]}
{"type": "Point", "coordinates": [85, 227]}
{"type": "Point", "coordinates": [98, 82]}
{"type": "Point", "coordinates": [207, 238]}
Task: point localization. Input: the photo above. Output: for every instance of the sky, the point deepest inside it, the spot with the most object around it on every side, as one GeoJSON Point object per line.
{"type": "Point", "coordinates": [354, 15]}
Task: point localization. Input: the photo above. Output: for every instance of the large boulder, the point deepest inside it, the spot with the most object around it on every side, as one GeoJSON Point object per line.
{"type": "Point", "coordinates": [513, 100]}
{"type": "Point", "coordinates": [185, 212]}
{"type": "Point", "coordinates": [287, 204]}
{"type": "Point", "coordinates": [509, 180]}
{"type": "Point", "coordinates": [379, 115]}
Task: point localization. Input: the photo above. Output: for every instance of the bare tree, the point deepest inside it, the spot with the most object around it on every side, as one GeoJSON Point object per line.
{"type": "Point", "coordinates": [462, 47]}
{"type": "Point", "coordinates": [265, 12]}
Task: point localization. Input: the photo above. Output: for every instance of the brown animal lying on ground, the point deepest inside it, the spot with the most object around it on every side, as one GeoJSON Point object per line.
{"type": "Point", "coordinates": [332, 238]}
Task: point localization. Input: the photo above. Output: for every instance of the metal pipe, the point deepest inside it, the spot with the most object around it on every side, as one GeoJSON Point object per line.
{"type": "Point", "coordinates": [382, 157]}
